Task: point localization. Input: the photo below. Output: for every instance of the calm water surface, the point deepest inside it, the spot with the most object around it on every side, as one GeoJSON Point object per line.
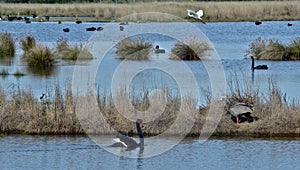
{"type": "Point", "coordinates": [230, 40]}
{"type": "Point", "coordinates": [36, 152]}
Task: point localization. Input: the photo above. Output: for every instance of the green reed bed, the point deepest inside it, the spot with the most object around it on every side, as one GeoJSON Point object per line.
{"type": "Point", "coordinates": [271, 49]}
{"type": "Point", "coordinates": [59, 112]}
{"type": "Point", "coordinates": [133, 49]}
{"type": "Point", "coordinates": [7, 45]}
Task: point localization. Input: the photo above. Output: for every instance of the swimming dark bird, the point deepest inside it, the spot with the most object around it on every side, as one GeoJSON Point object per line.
{"type": "Point", "coordinates": [289, 24]}
{"type": "Point", "coordinates": [59, 22]}
{"type": "Point", "coordinates": [258, 22]}
{"type": "Point", "coordinates": [27, 21]}
{"type": "Point", "coordinates": [91, 29]}
{"type": "Point", "coordinates": [66, 29]}
{"type": "Point", "coordinates": [127, 142]}
{"type": "Point", "coordinates": [34, 15]}
{"type": "Point", "coordinates": [47, 18]}
{"type": "Point", "coordinates": [9, 18]}
{"type": "Point", "coordinates": [78, 22]}
{"type": "Point", "coordinates": [121, 28]}
{"type": "Point", "coordinates": [258, 67]}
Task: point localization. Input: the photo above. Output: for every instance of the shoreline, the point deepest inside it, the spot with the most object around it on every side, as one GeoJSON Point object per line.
{"type": "Point", "coordinates": [225, 11]}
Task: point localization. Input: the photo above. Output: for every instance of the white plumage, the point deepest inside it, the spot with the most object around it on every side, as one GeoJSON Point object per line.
{"type": "Point", "coordinates": [196, 15]}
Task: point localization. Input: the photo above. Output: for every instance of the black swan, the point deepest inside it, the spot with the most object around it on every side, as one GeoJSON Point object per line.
{"type": "Point", "coordinates": [259, 67]}
{"type": "Point", "coordinates": [258, 22]}
{"type": "Point", "coordinates": [127, 142]}
{"type": "Point", "coordinates": [66, 29]}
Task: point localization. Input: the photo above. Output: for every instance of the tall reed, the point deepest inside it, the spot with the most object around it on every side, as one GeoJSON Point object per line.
{"type": "Point", "coordinates": [7, 45]}
{"type": "Point", "coordinates": [68, 52]}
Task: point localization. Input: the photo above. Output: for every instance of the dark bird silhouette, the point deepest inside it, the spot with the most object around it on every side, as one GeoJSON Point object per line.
{"type": "Point", "coordinates": [289, 24]}
{"type": "Point", "coordinates": [9, 18]}
{"type": "Point", "coordinates": [121, 28]}
{"type": "Point", "coordinates": [66, 29]}
{"type": "Point", "coordinates": [42, 96]}
{"type": "Point", "coordinates": [59, 22]}
{"type": "Point", "coordinates": [258, 22]}
{"type": "Point", "coordinates": [47, 18]}
{"type": "Point", "coordinates": [27, 21]}
{"type": "Point", "coordinates": [34, 15]}
{"type": "Point", "coordinates": [127, 142]}
{"type": "Point", "coordinates": [91, 29]}
{"type": "Point", "coordinates": [78, 22]}
{"type": "Point", "coordinates": [100, 28]}
{"type": "Point", "coordinates": [258, 67]}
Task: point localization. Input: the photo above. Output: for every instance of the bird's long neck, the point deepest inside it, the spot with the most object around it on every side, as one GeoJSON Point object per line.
{"type": "Point", "coordinates": [252, 67]}
{"type": "Point", "coordinates": [140, 133]}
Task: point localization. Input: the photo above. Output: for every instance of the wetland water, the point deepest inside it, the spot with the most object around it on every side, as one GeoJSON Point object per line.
{"type": "Point", "coordinates": [46, 152]}
{"type": "Point", "coordinates": [230, 40]}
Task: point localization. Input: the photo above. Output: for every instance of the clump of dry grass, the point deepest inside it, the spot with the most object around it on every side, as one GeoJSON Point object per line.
{"type": "Point", "coordinates": [133, 49]}
{"type": "Point", "coordinates": [68, 52]}
{"type": "Point", "coordinates": [7, 45]}
{"type": "Point", "coordinates": [191, 49]}
{"type": "Point", "coordinates": [274, 50]}
{"type": "Point", "coordinates": [28, 43]}
{"type": "Point", "coordinates": [39, 56]}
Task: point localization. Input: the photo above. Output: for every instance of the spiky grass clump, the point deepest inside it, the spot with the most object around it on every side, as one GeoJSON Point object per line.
{"type": "Point", "coordinates": [274, 50]}
{"type": "Point", "coordinates": [28, 43]}
{"type": "Point", "coordinates": [133, 49]}
{"type": "Point", "coordinates": [67, 52]}
{"type": "Point", "coordinates": [7, 45]}
{"type": "Point", "coordinates": [191, 49]}
{"type": "Point", "coordinates": [39, 56]}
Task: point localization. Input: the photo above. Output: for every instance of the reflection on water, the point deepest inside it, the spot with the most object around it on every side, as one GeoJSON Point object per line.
{"type": "Point", "coordinates": [42, 71]}
{"type": "Point", "coordinates": [50, 152]}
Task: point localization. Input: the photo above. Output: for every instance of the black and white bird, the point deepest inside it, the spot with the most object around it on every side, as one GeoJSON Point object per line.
{"type": "Point", "coordinates": [127, 142]}
{"type": "Point", "coordinates": [197, 15]}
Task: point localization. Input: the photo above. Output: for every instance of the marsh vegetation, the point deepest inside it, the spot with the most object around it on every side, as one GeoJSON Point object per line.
{"type": "Point", "coordinates": [133, 49]}
{"type": "Point", "coordinates": [274, 50]}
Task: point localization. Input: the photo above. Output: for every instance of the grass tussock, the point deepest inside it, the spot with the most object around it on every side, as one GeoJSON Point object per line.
{"type": "Point", "coordinates": [68, 52]}
{"type": "Point", "coordinates": [214, 11]}
{"type": "Point", "coordinates": [36, 55]}
{"type": "Point", "coordinates": [274, 50]}
{"type": "Point", "coordinates": [191, 49]}
{"type": "Point", "coordinates": [7, 45]}
{"type": "Point", "coordinates": [39, 56]}
{"type": "Point", "coordinates": [133, 49]}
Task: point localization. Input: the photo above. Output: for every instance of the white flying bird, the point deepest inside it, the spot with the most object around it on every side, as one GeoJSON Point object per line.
{"type": "Point", "coordinates": [196, 15]}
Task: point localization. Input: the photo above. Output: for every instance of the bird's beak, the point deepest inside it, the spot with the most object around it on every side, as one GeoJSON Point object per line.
{"type": "Point", "coordinates": [142, 123]}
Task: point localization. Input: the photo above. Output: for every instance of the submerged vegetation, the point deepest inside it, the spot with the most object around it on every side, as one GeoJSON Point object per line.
{"type": "Point", "coordinates": [191, 49]}
{"type": "Point", "coordinates": [56, 113]}
{"type": "Point", "coordinates": [133, 49]}
{"type": "Point", "coordinates": [274, 50]}
{"type": "Point", "coordinates": [7, 45]}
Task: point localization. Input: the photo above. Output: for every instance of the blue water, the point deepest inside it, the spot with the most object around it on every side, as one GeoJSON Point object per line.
{"type": "Point", "coordinates": [40, 152]}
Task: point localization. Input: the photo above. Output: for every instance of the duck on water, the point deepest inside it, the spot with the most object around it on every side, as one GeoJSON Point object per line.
{"type": "Point", "coordinates": [258, 67]}
{"type": "Point", "coordinates": [126, 141]}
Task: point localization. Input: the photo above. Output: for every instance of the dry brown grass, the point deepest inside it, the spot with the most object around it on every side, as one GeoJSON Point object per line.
{"type": "Point", "coordinates": [20, 112]}
{"type": "Point", "coordinates": [7, 45]}
{"type": "Point", "coordinates": [133, 49]}
{"type": "Point", "coordinates": [274, 50]}
{"type": "Point", "coordinates": [66, 51]}
{"type": "Point", "coordinates": [214, 11]}
{"type": "Point", "coordinates": [191, 49]}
